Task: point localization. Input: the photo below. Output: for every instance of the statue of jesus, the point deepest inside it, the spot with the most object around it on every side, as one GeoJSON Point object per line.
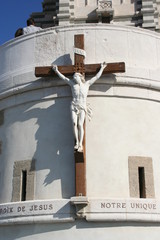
{"type": "Point", "coordinates": [79, 109]}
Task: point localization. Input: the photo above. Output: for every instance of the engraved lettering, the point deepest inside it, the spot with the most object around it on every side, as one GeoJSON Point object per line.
{"type": "Point", "coordinates": [123, 205]}
{"type": "Point", "coordinates": [145, 206]}
{"type": "Point", "coordinates": [35, 207]}
{"type": "Point", "coordinates": [45, 207]}
{"type": "Point", "coordinates": [31, 209]}
{"type": "Point", "coordinates": [6, 210]}
{"type": "Point", "coordinates": [150, 206]}
{"type": "Point", "coordinates": [40, 207]}
{"type": "Point", "coordinates": [50, 206]}
{"type": "Point", "coordinates": [113, 205]}
{"type": "Point", "coordinates": [102, 205]}
{"type": "Point", "coordinates": [118, 205]}
{"type": "Point", "coordinates": [137, 205]}
{"type": "Point", "coordinates": [108, 205]}
{"type": "Point", "coordinates": [18, 209]}
{"type": "Point", "coordinates": [23, 209]}
{"type": "Point", "coordinates": [154, 206]}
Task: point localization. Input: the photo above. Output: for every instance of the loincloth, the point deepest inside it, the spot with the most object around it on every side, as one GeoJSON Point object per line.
{"type": "Point", "coordinates": [77, 108]}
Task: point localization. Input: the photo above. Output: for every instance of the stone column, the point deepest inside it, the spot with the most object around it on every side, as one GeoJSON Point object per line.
{"type": "Point", "coordinates": [148, 14]}
{"type": "Point", "coordinates": [47, 18]}
{"type": "Point", "coordinates": [64, 12]}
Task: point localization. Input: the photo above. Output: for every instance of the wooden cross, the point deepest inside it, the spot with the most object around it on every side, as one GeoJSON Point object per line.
{"type": "Point", "coordinates": [88, 69]}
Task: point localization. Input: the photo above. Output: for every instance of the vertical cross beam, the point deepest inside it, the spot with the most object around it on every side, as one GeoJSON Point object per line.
{"type": "Point", "coordinates": [80, 157]}
{"type": "Point", "coordinates": [79, 59]}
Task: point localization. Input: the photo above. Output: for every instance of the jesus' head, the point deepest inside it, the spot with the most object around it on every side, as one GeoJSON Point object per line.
{"type": "Point", "coordinates": [78, 78]}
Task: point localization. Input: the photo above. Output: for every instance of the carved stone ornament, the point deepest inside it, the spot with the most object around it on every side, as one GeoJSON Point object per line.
{"type": "Point", "coordinates": [104, 4]}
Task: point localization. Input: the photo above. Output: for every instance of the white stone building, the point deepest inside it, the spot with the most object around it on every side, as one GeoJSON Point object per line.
{"type": "Point", "coordinates": [122, 141]}
{"type": "Point", "coordinates": [139, 13]}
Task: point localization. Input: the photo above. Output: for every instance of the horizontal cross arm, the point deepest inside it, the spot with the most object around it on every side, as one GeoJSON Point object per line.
{"type": "Point", "coordinates": [90, 69]}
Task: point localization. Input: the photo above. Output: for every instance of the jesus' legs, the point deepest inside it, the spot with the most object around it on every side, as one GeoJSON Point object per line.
{"type": "Point", "coordinates": [74, 119]}
{"type": "Point", "coordinates": [81, 129]}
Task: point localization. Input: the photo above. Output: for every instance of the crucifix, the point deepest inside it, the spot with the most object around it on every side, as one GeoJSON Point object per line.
{"type": "Point", "coordinates": [79, 93]}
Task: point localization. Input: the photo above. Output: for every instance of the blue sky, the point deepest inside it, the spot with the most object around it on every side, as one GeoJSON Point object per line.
{"type": "Point", "coordinates": [14, 14]}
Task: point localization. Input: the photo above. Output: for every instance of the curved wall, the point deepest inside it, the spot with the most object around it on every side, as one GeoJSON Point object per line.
{"type": "Point", "coordinates": [36, 111]}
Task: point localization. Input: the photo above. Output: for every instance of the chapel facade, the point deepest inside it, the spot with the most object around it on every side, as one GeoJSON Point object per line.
{"type": "Point", "coordinates": [110, 190]}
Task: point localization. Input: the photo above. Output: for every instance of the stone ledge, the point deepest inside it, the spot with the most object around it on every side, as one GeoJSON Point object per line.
{"type": "Point", "coordinates": [59, 210]}
{"type": "Point", "coordinates": [81, 200]}
{"type": "Point", "coordinates": [35, 219]}
{"type": "Point", "coordinates": [123, 87]}
{"type": "Point", "coordinates": [123, 210]}
{"type": "Point", "coordinates": [80, 203]}
{"type": "Point", "coordinates": [147, 78]}
{"type": "Point", "coordinates": [93, 210]}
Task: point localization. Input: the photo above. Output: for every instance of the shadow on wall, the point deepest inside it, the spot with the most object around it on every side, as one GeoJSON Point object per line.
{"type": "Point", "coordinates": [54, 141]}
{"type": "Point", "coordinates": [101, 85]}
{"type": "Point", "coordinates": [69, 230]}
{"type": "Point", "coordinates": [63, 60]}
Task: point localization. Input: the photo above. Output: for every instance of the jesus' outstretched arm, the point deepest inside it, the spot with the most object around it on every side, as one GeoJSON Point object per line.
{"type": "Point", "coordinates": [98, 75]}
{"type": "Point", "coordinates": [60, 75]}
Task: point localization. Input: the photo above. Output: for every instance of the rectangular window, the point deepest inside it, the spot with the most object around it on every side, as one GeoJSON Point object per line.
{"type": "Point", "coordinates": [142, 188]}
{"type": "Point", "coordinates": [1, 117]}
{"type": "Point", "coordinates": [24, 185]}
{"type": "Point", "coordinates": [141, 179]}
{"type": "Point", "coordinates": [23, 180]}
{"type": "Point", "coordinates": [0, 147]}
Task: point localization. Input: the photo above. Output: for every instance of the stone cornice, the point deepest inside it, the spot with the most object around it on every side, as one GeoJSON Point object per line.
{"type": "Point", "coordinates": [93, 210]}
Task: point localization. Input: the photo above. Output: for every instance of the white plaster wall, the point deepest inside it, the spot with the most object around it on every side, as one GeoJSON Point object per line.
{"type": "Point", "coordinates": [123, 8]}
{"type": "Point", "coordinates": [81, 230]}
{"type": "Point", "coordinates": [81, 10]}
{"type": "Point", "coordinates": [17, 55]}
{"type": "Point", "coordinates": [138, 48]}
{"type": "Point", "coordinates": [121, 127]}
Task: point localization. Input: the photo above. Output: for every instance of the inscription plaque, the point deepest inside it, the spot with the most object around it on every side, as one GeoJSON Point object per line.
{"type": "Point", "coordinates": [137, 210]}
{"type": "Point", "coordinates": [30, 211]}
{"type": "Point", "coordinates": [143, 210]}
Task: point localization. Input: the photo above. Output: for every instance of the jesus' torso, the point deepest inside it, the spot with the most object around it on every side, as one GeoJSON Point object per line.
{"type": "Point", "coordinates": [79, 93]}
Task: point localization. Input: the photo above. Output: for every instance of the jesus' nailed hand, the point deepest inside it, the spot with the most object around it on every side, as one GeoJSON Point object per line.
{"type": "Point", "coordinates": [79, 88]}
